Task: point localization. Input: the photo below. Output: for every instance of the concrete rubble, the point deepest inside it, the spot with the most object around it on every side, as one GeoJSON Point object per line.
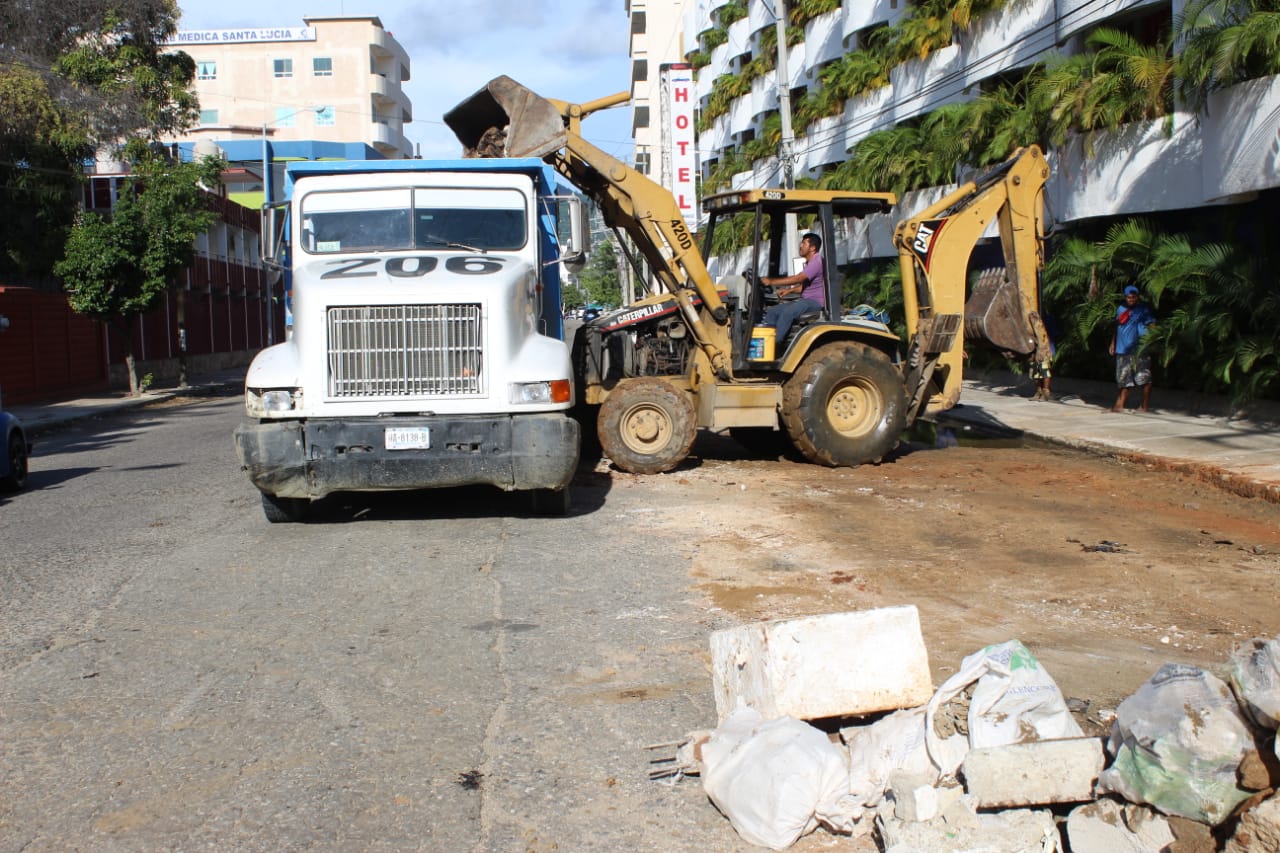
{"type": "Point", "coordinates": [987, 762]}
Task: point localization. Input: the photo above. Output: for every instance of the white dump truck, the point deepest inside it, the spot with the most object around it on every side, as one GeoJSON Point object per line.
{"type": "Point", "coordinates": [427, 346]}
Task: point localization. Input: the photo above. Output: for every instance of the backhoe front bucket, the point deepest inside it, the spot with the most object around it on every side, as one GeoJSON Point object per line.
{"type": "Point", "coordinates": [533, 125]}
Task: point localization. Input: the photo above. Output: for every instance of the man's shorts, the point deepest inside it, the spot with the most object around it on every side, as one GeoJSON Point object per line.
{"type": "Point", "coordinates": [1133, 370]}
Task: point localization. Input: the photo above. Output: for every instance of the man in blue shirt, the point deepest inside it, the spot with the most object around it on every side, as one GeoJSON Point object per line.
{"type": "Point", "coordinates": [1133, 368]}
{"type": "Point", "coordinates": [810, 283]}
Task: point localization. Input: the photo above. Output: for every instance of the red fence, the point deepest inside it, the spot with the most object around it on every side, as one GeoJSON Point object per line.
{"type": "Point", "coordinates": [50, 351]}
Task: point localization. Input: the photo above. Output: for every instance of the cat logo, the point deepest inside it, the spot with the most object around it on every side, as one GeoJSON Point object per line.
{"type": "Point", "coordinates": [924, 237]}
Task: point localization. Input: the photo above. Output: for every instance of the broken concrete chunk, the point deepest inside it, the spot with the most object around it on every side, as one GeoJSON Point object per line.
{"type": "Point", "coordinates": [916, 798]}
{"type": "Point", "coordinates": [1259, 830]}
{"type": "Point", "coordinates": [838, 664]}
{"type": "Point", "coordinates": [1107, 826]}
{"type": "Point", "coordinates": [1013, 831]}
{"type": "Point", "coordinates": [1034, 773]}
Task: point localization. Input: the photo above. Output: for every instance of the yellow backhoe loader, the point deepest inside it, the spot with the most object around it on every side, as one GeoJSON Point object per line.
{"type": "Point", "coordinates": [694, 356]}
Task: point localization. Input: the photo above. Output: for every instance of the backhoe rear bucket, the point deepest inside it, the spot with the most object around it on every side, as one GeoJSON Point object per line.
{"type": "Point", "coordinates": [534, 127]}
{"type": "Point", "coordinates": [994, 314]}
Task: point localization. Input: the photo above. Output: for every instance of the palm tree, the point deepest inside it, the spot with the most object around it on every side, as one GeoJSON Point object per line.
{"type": "Point", "coordinates": [1119, 81]}
{"type": "Point", "coordinates": [1224, 42]}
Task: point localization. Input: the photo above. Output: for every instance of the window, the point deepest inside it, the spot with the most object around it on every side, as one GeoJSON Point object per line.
{"type": "Point", "coordinates": [286, 117]}
{"type": "Point", "coordinates": [208, 116]}
{"type": "Point", "coordinates": [326, 116]}
{"type": "Point", "coordinates": [322, 66]}
{"type": "Point", "coordinates": [639, 70]}
{"type": "Point", "coordinates": [642, 162]}
{"type": "Point", "coordinates": [445, 219]}
{"type": "Point", "coordinates": [282, 67]}
{"type": "Point", "coordinates": [637, 23]}
{"type": "Point", "coordinates": [640, 118]}
{"type": "Point", "coordinates": [206, 71]}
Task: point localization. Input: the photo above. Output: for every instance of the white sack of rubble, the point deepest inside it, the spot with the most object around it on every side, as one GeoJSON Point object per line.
{"type": "Point", "coordinates": [1014, 701]}
{"type": "Point", "coordinates": [1255, 677]}
{"type": "Point", "coordinates": [1177, 743]}
{"type": "Point", "coordinates": [895, 742]}
{"type": "Point", "coordinates": [776, 780]}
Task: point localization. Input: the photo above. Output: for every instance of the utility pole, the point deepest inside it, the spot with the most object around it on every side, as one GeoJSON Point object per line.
{"type": "Point", "coordinates": [786, 148]}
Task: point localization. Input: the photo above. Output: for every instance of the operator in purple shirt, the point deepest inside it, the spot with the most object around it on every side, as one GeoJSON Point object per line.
{"type": "Point", "coordinates": [810, 283]}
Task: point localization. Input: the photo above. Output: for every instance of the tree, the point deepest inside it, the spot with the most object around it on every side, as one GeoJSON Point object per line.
{"type": "Point", "coordinates": [600, 278]}
{"type": "Point", "coordinates": [76, 77]}
{"type": "Point", "coordinates": [118, 267]}
{"type": "Point", "coordinates": [1225, 42]}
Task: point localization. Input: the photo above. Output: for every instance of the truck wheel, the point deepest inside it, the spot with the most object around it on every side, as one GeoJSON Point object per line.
{"type": "Point", "coordinates": [284, 510]}
{"type": "Point", "coordinates": [550, 501]}
{"type": "Point", "coordinates": [646, 426]}
{"type": "Point", "coordinates": [17, 477]}
{"type": "Point", "coordinates": [846, 405]}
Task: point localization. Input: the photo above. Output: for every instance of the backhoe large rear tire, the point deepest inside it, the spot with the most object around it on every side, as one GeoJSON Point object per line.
{"type": "Point", "coordinates": [646, 426]}
{"type": "Point", "coordinates": [845, 405]}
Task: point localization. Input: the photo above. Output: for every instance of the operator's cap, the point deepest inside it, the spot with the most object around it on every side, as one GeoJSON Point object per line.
{"type": "Point", "coordinates": [1131, 291]}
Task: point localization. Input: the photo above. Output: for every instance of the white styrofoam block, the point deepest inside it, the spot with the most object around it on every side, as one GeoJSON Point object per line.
{"type": "Point", "coordinates": [831, 665]}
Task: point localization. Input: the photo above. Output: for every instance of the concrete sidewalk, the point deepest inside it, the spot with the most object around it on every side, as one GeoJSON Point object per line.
{"type": "Point", "coordinates": [38, 418]}
{"type": "Point", "coordinates": [1192, 434]}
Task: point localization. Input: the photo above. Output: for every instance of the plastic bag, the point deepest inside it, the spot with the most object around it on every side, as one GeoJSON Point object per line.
{"type": "Point", "coordinates": [1014, 701]}
{"type": "Point", "coordinates": [1177, 743]}
{"type": "Point", "coordinates": [1255, 677]}
{"type": "Point", "coordinates": [776, 780]}
{"type": "Point", "coordinates": [895, 742]}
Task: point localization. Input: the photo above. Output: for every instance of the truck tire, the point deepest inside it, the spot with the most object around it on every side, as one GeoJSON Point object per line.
{"type": "Point", "coordinates": [17, 476]}
{"type": "Point", "coordinates": [845, 405]}
{"type": "Point", "coordinates": [646, 426]}
{"type": "Point", "coordinates": [284, 510]}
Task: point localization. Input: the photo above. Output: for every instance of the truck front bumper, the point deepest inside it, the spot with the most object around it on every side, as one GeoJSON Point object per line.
{"type": "Point", "coordinates": [312, 458]}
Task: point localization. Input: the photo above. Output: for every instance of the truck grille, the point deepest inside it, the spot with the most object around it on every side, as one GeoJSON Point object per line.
{"type": "Point", "coordinates": [405, 351]}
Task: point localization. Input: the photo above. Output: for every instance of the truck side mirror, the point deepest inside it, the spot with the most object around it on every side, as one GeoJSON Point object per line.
{"type": "Point", "coordinates": [274, 219]}
{"type": "Point", "coordinates": [574, 245]}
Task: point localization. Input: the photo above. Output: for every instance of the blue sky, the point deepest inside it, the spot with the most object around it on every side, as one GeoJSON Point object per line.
{"type": "Point", "coordinates": [575, 50]}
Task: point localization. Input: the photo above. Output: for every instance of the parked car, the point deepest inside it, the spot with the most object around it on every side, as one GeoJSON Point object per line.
{"type": "Point", "coordinates": [590, 314]}
{"type": "Point", "coordinates": [15, 450]}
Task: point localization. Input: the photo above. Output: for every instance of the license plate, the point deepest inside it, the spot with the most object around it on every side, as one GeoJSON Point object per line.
{"type": "Point", "coordinates": [407, 438]}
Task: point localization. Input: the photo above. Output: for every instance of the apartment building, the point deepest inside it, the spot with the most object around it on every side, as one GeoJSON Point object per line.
{"type": "Point", "coordinates": [329, 89]}
{"type": "Point", "coordinates": [1217, 155]}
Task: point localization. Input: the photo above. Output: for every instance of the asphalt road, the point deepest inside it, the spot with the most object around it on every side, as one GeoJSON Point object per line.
{"type": "Point", "coordinates": [434, 671]}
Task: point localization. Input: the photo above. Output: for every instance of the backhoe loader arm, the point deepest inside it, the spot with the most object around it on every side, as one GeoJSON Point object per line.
{"type": "Point", "coordinates": [549, 129]}
{"type": "Point", "coordinates": [1003, 310]}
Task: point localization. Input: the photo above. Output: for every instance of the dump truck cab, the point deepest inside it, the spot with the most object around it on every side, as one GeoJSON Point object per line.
{"type": "Point", "coordinates": [427, 344]}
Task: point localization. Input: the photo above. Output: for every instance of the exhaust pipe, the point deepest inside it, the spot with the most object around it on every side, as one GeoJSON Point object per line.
{"type": "Point", "coordinates": [533, 126]}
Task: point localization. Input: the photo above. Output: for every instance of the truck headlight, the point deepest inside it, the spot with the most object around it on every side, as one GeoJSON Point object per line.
{"type": "Point", "coordinates": [261, 403]}
{"type": "Point", "coordinates": [554, 391]}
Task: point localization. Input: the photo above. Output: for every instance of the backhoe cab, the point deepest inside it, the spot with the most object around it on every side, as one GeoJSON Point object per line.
{"type": "Point", "coordinates": [694, 356]}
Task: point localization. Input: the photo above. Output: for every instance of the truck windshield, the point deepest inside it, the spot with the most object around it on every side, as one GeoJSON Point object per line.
{"type": "Point", "coordinates": [472, 219]}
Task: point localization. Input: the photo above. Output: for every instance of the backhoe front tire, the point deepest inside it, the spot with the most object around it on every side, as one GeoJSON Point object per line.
{"type": "Point", "coordinates": [845, 405]}
{"type": "Point", "coordinates": [646, 426]}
